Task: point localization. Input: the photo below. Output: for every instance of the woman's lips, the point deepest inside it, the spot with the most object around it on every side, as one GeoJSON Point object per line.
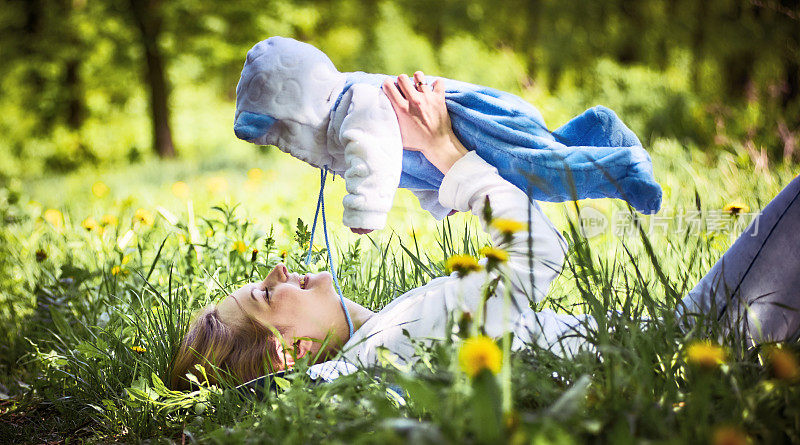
{"type": "Point", "coordinates": [303, 281]}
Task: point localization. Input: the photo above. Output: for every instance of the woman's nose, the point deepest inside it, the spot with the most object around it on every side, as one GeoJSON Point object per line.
{"type": "Point", "coordinates": [278, 274]}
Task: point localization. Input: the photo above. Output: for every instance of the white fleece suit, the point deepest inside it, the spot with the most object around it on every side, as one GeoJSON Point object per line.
{"type": "Point", "coordinates": [297, 86]}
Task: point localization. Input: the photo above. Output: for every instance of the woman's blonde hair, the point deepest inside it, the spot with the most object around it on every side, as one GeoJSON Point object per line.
{"type": "Point", "coordinates": [243, 352]}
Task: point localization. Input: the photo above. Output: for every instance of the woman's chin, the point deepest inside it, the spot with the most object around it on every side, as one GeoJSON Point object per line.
{"type": "Point", "coordinates": [323, 281]}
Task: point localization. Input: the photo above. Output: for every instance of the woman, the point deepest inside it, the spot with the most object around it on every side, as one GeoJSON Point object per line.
{"type": "Point", "coordinates": [288, 316]}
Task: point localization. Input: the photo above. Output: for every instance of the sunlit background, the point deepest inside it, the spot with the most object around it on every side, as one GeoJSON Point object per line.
{"type": "Point", "coordinates": [116, 134]}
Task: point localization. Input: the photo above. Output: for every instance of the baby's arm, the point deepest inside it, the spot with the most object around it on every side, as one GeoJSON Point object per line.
{"type": "Point", "coordinates": [373, 153]}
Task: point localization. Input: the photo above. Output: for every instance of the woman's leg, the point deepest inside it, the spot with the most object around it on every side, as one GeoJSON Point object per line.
{"type": "Point", "coordinates": [755, 286]}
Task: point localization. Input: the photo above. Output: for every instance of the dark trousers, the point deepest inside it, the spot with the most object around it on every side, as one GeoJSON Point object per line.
{"type": "Point", "coordinates": [755, 287]}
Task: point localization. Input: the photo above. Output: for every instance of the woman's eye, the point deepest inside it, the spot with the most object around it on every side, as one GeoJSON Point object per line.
{"type": "Point", "coordinates": [266, 293]}
{"type": "Point", "coordinates": [260, 289]}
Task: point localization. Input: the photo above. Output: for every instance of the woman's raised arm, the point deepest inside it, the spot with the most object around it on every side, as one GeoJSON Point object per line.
{"type": "Point", "coordinates": [535, 254]}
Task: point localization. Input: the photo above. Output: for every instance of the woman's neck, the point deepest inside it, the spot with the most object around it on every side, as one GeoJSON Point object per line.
{"type": "Point", "coordinates": [358, 314]}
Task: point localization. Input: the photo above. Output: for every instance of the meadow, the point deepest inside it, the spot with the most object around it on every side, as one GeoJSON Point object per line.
{"type": "Point", "coordinates": [106, 250]}
{"type": "Point", "coordinates": [102, 270]}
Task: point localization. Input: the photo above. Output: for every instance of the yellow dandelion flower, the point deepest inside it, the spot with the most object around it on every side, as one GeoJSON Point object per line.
{"type": "Point", "coordinates": [494, 254]}
{"type": "Point", "coordinates": [90, 224]}
{"type": "Point", "coordinates": [479, 353]}
{"type": "Point", "coordinates": [240, 246]}
{"type": "Point", "coordinates": [180, 189]}
{"type": "Point", "coordinates": [284, 254]}
{"type": "Point", "coordinates": [736, 208]}
{"type": "Point", "coordinates": [138, 349]}
{"type": "Point", "coordinates": [54, 217]}
{"type": "Point", "coordinates": [217, 184]}
{"type": "Point", "coordinates": [508, 226]}
{"type": "Point", "coordinates": [99, 189]}
{"type": "Point", "coordinates": [209, 233]}
{"type": "Point", "coordinates": [728, 435]}
{"type": "Point", "coordinates": [118, 271]}
{"type": "Point", "coordinates": [705, 354]}
{"type": "Point", "coordinates": [462, 264]}
{"type": "Point", "coordinates": [108, 220]}
{"type": "Point", "coordinates": [144, 217]}
{"type": "Point", "coordinates": [783, 364]}
{"type": "Point", "coordinates": [255, 174]}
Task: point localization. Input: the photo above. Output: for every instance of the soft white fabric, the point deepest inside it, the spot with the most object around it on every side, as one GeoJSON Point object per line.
{"type": "Point", "coordinates": [330, 370]}
{"type": "Point", "coordinates": [429, 200]}
{"type": "Point", "coordinates": [359, 141]}
{"type": "Point", "coordinates": [423, 312]}
{"type": "Point", "coordinates": [364, 140]}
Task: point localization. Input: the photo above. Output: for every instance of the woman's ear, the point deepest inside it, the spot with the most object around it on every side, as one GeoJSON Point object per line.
{"type": "Point", "coordinates": [287, 355]}
{"type": "Point", "coordinates": [302, 346]}
{"type": "Point", "coordinates": [283, 354]}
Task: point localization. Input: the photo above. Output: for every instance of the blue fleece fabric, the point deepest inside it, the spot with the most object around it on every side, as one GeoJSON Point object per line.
{"type": "Point", "coordinates": [252, 125]}
{"type": "Point", "coordinates": [594, 155]}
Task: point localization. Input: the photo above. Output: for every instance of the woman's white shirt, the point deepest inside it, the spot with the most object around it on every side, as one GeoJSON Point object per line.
{"type": "Point", "coordinates": [422, 313]}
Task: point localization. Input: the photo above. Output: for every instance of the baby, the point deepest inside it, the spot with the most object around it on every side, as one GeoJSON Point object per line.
{"type": "Point", "coordinates": [292, 96]}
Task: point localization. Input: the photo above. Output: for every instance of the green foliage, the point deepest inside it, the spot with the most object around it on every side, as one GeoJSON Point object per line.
{"type": "Point", "coordinates": [92, 318]}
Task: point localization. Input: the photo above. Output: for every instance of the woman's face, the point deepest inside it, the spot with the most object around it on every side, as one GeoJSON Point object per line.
{"type": "Point", "coordinates": [298, 305]}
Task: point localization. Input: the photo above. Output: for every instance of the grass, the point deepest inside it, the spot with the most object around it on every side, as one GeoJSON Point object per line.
{"type": "Point", "coordinates": [91, 318]}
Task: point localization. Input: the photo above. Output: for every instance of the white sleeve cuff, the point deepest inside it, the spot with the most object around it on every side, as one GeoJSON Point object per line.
{"type": "Point", "coordinates": [465, 178]}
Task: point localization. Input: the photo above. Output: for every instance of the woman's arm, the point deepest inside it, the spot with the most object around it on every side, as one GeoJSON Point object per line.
{"type": "Point", "coordinates": [535, 253]}
{"type": "Point", "coordinates": [534, 246]}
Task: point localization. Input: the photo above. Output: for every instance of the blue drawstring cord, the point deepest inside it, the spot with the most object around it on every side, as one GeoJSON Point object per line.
{"type": "Point", "coordinates": [321, 206]}
{"type": "Point", "coordinates": [323, 174]}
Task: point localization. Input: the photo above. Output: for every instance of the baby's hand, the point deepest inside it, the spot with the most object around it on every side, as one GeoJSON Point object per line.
{"type": "Point", "coordinates": [424, 122]}
{"type": "Point", "coordinates": [360, 231]}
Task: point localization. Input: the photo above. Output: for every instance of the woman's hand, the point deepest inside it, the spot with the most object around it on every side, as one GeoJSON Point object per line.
{"type": "Point", "coordinates": [424, 122]}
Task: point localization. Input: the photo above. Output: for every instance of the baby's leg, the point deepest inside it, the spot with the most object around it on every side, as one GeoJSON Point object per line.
{"type": "Point", "coordinates": [756, 283]}
{"type": "Point", "coordinates": [597, 127]}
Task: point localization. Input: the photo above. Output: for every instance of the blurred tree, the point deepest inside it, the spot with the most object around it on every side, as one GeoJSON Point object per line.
{"type": "Point", "coordinates": [75, 54]}
{"type": "Point", "coordinates": [147, 16]}
{"type": "Point", "coordinates": [45, 41]}
{"type": "Point", "coordinates": [68, 69]}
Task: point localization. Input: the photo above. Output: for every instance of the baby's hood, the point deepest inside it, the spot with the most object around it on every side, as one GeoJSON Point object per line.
{"type": "Point", "coordinates": [284, 79]}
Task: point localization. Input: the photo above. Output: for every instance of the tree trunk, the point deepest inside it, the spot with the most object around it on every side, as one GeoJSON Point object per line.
{"type": "Point", "coordinates": [533, 15]}
{"type": "Point", "coordinates": [72, 85]}
{"type": "Point", "coordinates": [698, 38]}
{"type": "Point", "coordinates": [148, 19]}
